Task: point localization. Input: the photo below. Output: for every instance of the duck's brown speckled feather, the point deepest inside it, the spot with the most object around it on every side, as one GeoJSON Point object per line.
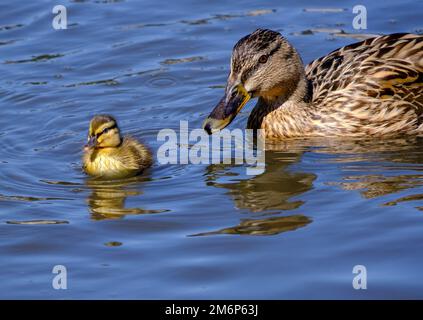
{"type": "Point", "coordinates": [373, 87]}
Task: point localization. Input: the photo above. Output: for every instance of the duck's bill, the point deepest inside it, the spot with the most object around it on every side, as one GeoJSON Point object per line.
{"type": "Point", "coordinates": [226, 110]}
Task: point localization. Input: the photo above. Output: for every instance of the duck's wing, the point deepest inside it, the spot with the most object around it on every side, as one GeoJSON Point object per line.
{"type": "Point", "coordinates": [372, 87]}
{"type": "Point", "coordinates": [381, 67]}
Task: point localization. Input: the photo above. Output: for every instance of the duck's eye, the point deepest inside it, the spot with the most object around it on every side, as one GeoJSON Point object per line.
{"type": "Point", "coordinates": [263, 59]}
{"type": "Point", "coordinates": [105, 131]}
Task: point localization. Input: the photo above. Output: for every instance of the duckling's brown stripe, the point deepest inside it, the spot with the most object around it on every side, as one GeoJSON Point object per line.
{"type": "Point", "coordinates": [114, 126]}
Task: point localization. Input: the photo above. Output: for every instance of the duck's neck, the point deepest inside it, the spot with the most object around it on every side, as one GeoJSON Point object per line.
{"type": "Point", "coordinates": [293, 100]}
{"type": "Point", "coordinates": [297, 92]}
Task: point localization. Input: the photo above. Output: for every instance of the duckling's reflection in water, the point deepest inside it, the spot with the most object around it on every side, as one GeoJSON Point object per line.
{"type": "Point", "coordinates": [267, 193]}
{"type": "Point", "coordinates": [108, 197]}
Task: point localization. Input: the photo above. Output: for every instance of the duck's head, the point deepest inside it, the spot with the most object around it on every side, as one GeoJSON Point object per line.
{"type": "Point", "coordinates": [103, 133]}
{"type": "Point", "coordinates": [263, 64]}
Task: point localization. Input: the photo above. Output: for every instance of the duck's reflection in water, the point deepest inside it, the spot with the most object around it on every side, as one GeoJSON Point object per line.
{"type": "Point", "coordinates": [271, 190]}
{"type": "Point", "coordinates": [373, 186]}
{"type": "Point", "coordinates": [264, 227]}
{"type": "Point", "coordinates": [268, 193]}
{"type": "Point", "coordinates": [107, 198]}
{"type": "Point", "coordinates": [379, 168]}
{"type": "Point", "coordinates": [376, 168]}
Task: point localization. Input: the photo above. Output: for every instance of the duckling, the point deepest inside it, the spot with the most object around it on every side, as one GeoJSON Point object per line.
{"type": "Point", "coordinates": [109, 155]}
{"type": "Point", "coordinates": [370, 88]}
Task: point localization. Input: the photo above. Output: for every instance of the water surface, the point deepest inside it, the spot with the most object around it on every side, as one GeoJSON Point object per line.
{"type": "Point", "coordinates": [191, 231]}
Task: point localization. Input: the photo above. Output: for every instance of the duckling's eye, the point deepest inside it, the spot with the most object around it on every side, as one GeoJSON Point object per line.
{"type": "Point", "coordinates": [105, 130]}
{"type": "Point", "coordinates": [263, 59]}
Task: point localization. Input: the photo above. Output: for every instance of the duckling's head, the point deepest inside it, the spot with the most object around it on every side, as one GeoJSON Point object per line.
{"type": "Point", "coordinates": [104, 132]}
{"type": "Point", "coordinates": [263, 64]}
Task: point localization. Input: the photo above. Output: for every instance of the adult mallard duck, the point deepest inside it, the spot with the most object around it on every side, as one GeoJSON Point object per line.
{"type": "Point", "coordinates": [109, 155]}
{"type": "Point", "coordinates": [369, 88]}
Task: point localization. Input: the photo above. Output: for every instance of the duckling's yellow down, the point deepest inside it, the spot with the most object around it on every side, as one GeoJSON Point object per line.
{"type": "Point", "coordinates": [108, 155]}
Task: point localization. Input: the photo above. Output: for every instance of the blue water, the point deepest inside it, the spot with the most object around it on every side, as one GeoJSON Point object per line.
{"type": "Point", "coordinates": [191, 231]}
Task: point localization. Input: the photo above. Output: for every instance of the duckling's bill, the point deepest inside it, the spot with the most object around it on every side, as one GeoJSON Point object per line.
{"type": "Point", "coordinates": [228, 107]}
{"type": "Point", "coordinates": [92, 142]}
